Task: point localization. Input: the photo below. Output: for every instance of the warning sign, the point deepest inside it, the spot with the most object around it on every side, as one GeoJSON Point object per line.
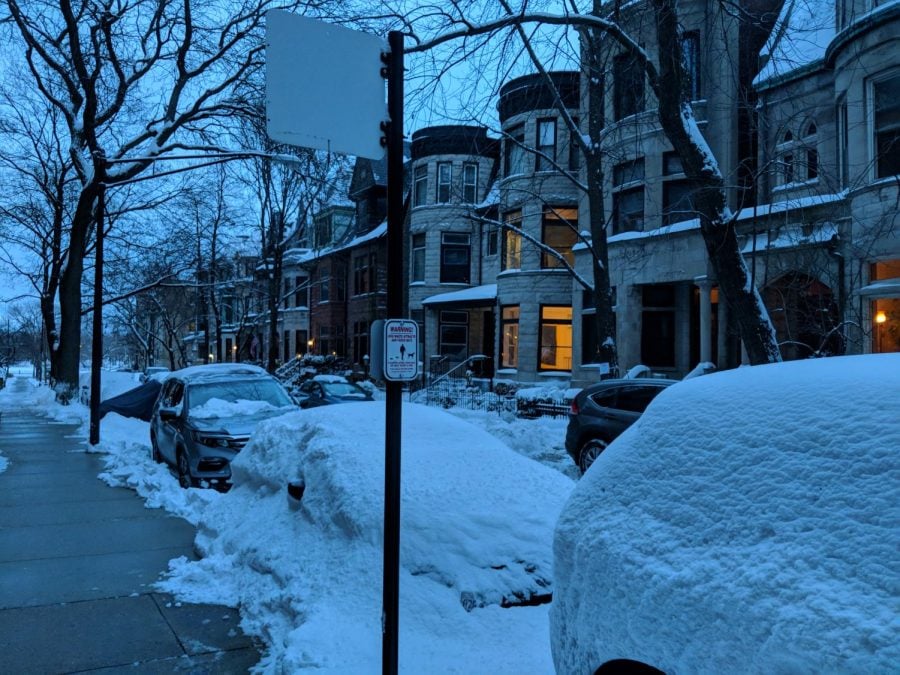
{"type": "Point", "coordinates": [401, 342]}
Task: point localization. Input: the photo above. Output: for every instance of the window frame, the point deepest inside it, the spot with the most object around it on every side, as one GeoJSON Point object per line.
{"type": "Point", "coordinates": [894, 129]}
{"type": "Point", "coordinates": [447, 247]}
{"type": "Point", "coordinates": [470, 187]}
{"type": "Point", "coordinates": [420, 185]}
{"type": "Point", "coordinates": [670, 215]}
{"type": "Point", "coordinates": [514, 151]}
{"type": "Point", "coordinates": [542, 355]}
{"type": "Point", "coordinates": [631, 224]}
{"type": "Point", "coordinates": [690, 48]}
{"type": "Point", "coordinates": [418, 247]}
{"type": "Point", "coordinates": [507, 360]}
{"type": "Point", "coordinates": [542, 163]}
{"type": "Point", "coordinates": [451, 320]}
{"type": "Point", "coordinates": [510, 253]}
{"type": "Point", "coordinates": [443, 188]}
{"type": "Point", "coordinates": [629, 87]}
{"type": "Point", "coordinates": [554, 218]}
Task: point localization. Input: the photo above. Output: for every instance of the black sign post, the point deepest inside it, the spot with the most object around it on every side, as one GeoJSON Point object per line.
{"type": "Point", "coordinates": [97, 328]}
{"type": "Point", "coordinates": [390, 608]}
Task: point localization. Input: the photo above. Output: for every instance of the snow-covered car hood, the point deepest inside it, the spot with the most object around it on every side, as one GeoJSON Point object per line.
{"type": "Point", "coordinates": [746, 523]}
{"type": "Point", "coordinates": [239, 424]}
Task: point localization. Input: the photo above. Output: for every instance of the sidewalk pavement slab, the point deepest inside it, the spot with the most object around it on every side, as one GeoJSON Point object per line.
{"type": "Point", "coordinates": [78, 563]}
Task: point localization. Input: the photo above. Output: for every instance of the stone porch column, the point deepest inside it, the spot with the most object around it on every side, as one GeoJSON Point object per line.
{"type": "Point", "coordinates": [705, 286]}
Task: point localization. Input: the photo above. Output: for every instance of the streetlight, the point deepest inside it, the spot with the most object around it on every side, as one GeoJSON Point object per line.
{"type": "Point", "coordinates": [102, 164]}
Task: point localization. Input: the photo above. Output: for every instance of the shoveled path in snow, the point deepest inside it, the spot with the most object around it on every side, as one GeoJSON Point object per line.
{"type": "Point", "coordinates": [78, 560]}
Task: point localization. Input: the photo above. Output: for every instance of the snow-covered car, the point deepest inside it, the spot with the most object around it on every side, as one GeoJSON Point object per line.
{"type": "Point", "coordinates": [476, 538]}
{"type": "Point", "coordinates": [205, 414]}
{"type": "Point", "coordinates": [747, 522]}
{"type": "Point", "coordinates": [329, 389]}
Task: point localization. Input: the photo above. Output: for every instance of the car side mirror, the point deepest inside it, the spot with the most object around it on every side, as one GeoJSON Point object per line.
{"type": "Point", "coordinates": [168, 414]}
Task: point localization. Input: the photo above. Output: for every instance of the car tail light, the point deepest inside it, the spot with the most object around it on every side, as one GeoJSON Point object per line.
{"type": "Point", "coordinates": [573, 409]}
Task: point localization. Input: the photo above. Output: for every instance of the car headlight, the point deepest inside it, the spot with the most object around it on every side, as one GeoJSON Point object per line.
{"type": "Point", "coordinates": [211, 441]}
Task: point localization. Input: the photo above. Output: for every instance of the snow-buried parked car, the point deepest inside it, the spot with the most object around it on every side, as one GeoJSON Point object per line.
{"type": "Point", "coordinates": [476, 535]}
{"type": "Point", "coordinates": [747, 523]}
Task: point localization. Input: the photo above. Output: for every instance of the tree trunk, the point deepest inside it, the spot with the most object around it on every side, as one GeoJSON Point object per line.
{"type": "Point", "coordinates": [717, 225]}
{"type": "Point", "coordinates": [69, 349]}
{"type": "Point", "coordinates": [604, 317]}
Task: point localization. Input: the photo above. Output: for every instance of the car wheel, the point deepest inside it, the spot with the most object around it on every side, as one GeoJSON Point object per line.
{"type": "Point", "coordinates": [185, 479]}
{"type": "Point", "coordinates": [590, 451]}
{"type": "Point", "coordinates": [155, 455]}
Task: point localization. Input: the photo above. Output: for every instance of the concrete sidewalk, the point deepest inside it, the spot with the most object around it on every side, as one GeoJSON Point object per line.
{"type": "Point", "coordinates": [78, 560]}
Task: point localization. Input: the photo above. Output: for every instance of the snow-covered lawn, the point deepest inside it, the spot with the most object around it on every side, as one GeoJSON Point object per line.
{"type": "Point", "coordinates": [748, 522]}
{"type": "Point", "coordinates": [477, 523]}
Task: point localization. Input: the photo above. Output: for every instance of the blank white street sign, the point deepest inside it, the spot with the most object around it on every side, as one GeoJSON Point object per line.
{"type": "Point", "coordinates": [324, 88]}
{"type": "Point", "coordinates": [401, 340]}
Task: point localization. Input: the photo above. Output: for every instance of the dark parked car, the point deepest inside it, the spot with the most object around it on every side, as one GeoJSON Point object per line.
{"type": "Point", "coordinates": [205, 414]}
{"type": "Point", "coordinates": [604, 410]}
{"type": "Point", "coordinates": [328, 389]}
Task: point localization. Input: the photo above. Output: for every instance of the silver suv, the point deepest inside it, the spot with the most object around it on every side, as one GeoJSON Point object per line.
{"type": "Point", "coordinates": [204, 416]}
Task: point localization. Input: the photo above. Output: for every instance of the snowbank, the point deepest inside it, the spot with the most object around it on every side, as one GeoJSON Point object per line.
{"type": "Point", "coordinates": [747, 522]}
{"type": "Point", "coordinates": [477, 523]}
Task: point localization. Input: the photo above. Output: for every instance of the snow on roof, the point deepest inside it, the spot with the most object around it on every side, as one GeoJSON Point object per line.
{"type": "Point", "coordinates": [790, 236]}
{"type": "Point", "coordinates": [885, 288]}
{"type": "Point", "coordinates": [492, 197]}
{"type": "Point", "coordinates": [214, 370]}
{"type": "Point", "coordinates": [477, 519]}
{"type": "Point", "coordinates": [330, 378]}
{"type": "Point", "coordinates": [747, 522]}
{"type": "Point", "coordinates": [748, 213]}
{"type": "Point", "coordinates": [476, 293]}
{"type": "Point", "coordinates": [799, 38]}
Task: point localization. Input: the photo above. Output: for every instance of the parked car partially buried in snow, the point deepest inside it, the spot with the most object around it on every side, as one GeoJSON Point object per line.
{"type": "Point", "coordinates": [601, 412]}
{"type": "Point", "coordinates": [328, 389]}
{"type": "Point", "coordinates": [204, 416]}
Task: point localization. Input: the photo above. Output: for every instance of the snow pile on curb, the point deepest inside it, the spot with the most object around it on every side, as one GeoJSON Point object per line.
{"type": "Point", "coordinates": [477, 519]}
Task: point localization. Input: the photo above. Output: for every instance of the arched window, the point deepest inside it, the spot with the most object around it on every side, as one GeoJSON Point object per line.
{"type": "Point", "coordinates": [805, 316]}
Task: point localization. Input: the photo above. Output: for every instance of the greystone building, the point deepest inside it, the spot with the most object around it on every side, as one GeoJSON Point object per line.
{"type": "Point", "coordinates": [804, 123]}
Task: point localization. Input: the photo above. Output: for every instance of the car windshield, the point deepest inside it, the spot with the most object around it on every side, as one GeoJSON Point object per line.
{"type": "Point", "coordinates": [344, 389]}
{"type": "Point", "coordinates": [265, 391]}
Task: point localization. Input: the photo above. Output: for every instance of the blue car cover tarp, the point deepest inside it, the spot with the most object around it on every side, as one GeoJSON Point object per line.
{"type": "Point", "coordinates": [137, 402]}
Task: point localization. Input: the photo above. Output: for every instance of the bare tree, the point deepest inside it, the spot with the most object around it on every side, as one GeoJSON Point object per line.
{"type": "Point", "coordinates": [287, 195]}
{"type": "Point", "coordinates": [132, 81]}
{"type": "Point", "coordinates": [38, 182]}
